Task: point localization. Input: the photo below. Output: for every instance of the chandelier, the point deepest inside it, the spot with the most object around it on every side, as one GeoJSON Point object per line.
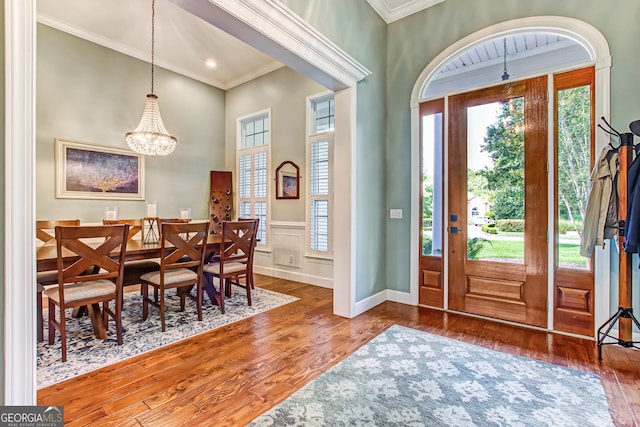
{"type": "Point", "coordinates": [150, 137]}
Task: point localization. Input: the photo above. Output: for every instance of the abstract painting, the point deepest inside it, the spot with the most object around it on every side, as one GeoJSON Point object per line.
{"type": "Point", "coordinates": [86, 171]}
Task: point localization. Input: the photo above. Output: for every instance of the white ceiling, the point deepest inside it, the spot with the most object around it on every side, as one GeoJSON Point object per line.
{"type": "Point", "coordinates": [183, 42]}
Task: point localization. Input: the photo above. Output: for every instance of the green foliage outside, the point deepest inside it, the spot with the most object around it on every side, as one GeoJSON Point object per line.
{"type": "Point", "coordinates": [475, 246]}
{"type": "Point", "coordinates": [504, 142]}
{"type": "Point", "coordinates": [490, 228]}
{"type": "Point", "coordinates": [510, 225]}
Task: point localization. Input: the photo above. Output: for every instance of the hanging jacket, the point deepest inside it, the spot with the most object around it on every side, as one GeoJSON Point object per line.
{"type": "Point", "coordinates": [601, 218]}
{"type": "Point", "coordinates": [632, 225]}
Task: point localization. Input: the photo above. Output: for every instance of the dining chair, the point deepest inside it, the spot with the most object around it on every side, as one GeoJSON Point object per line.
{"type": "Point", "coordinates": [257, 220]}
{"type": "Point", "coordinates": [94, 278]}
{"type": "Point", "coordinates": [136, 268]}
{"type": "Point", "coordinates": [235, 259]}
{"type": "Point", "coordinates": [45, 234]}
{"type": "Point", "coordinates": [183, 247]}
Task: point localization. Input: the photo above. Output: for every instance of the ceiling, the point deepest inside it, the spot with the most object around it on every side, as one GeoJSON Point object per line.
{"type": "Point", "coordinates": [183, 42]}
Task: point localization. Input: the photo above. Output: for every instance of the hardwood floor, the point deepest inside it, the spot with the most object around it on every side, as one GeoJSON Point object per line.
{"type": "Point", "coordinates": [230, 375]}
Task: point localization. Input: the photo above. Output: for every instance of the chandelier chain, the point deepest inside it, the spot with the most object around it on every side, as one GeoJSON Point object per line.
{"type": "Point", "coordinates": [153, 31]}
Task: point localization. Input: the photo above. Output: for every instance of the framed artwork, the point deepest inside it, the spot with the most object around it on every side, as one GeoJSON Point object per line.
{"type": "Point", "coordinates": [85, 171]}
{"type": "Point", "coordinates": [287, 181]}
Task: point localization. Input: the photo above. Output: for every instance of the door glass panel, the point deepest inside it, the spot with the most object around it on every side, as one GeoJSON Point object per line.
{"type": "Point", "coordinates": [574, 143]}
{"type": "Point", "coordinates": [495, 181]}
{"type": "Point", "coordinates": [432, 174]}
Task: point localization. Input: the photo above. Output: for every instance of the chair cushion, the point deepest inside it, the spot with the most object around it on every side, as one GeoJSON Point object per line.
{"type": "Point", "coordinates": [47, 277]}
{"type": "Point", "coordinates": [84, 290]}
{"type": "Point", "coordinates": [229, 267]}
{"type": "Point", "coordinates": [177, 275]}
{"type": "Point", "coordinates": [134, 269]}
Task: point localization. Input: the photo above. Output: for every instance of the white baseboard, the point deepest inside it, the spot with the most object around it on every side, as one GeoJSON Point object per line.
{"type": "Point", "coordinates": [292, 275]}
{"type": "Point", "coordinates": [399, 296]}
{"type": "Point", "coordinates": [370, 302]}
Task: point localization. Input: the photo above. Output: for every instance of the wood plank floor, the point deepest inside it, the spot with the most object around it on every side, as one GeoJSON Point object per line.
{"type": "Point", "coordinates": [229, 376]}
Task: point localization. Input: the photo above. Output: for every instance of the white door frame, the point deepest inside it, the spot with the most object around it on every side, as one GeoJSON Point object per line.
{"type": "Point", "coordinates": [270, 25]}
{"type": "Point", "coordinates": [598, 49]}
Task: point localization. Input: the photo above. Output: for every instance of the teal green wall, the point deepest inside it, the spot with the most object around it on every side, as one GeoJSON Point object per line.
{"type": "Point", "coordinates": [92, 94]}
{"type": "Point", "coordinates": [356, 27]}
{"type": "Point", "coordinates": [415, 40]}
{"type": "Point", "coordinates": [284, 91]}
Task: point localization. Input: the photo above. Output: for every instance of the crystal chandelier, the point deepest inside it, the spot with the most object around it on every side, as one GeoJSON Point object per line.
{"type": "Point", "coordinates": [150, 137]}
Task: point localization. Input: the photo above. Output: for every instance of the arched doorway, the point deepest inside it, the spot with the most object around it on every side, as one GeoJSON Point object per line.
{"type": "Point", "coordinates": [596, 51]}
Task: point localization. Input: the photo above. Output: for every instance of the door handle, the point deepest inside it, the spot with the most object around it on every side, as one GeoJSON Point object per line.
{"type": "Point", "coordinates": [454, 229]}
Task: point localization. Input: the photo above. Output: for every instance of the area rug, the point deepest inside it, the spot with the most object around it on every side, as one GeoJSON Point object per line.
{"type": "Point", "coordinates": [406, 377]}
{"type": "Point", "coordinates": [86, 353]}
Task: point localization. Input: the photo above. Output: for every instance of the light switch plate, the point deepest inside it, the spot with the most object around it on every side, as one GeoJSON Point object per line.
{"type": "Point", "coordinates": [395, 213]}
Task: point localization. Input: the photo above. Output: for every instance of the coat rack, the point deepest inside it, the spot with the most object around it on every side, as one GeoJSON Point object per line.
{"type": "Point", "coordinates": [624, 316]}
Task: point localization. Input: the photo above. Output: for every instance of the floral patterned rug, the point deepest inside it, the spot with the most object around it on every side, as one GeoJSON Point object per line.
{"type": "Point", "coordinates": [86, 353]}
{"type": "Point", "coordinates": [406, 377]}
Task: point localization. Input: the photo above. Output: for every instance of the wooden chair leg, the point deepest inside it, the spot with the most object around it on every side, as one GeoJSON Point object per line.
{"type": "Point", "coordinates": [145, 304]}
{"type": "Point", "coordinates": [40, 312]}
{"type": "Point", "coordinates": [52, 318]}
{"type": "Point", "coordinates": [162, 310]}
{"type": "Point", "coordinates": [199, 297]}
{"type": "Point", "coordinates": [222, 293]}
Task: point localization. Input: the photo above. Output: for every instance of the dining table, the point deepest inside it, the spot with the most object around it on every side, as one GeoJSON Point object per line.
{"type": "Point", "coordinates": [47, 260]}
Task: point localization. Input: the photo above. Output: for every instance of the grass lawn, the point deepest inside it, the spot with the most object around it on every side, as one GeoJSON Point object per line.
{"type": "Point", "coordinates": [569, 254]}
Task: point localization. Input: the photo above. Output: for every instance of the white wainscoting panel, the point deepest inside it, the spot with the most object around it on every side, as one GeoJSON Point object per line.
{"type": "Point", "coordinates": [288, 260]}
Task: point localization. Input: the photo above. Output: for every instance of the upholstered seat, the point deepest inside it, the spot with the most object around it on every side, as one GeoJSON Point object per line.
{"type": "Point", "coordinates": [235, 259]}
{"type": "Point", "coordinates": [44, 230]}
{"type": "Point", "coordinates": [83, 291]}
{"type": "Point", "coordinates": [94, 278]}
{"type": "Point", "coordinates": [182, 252]}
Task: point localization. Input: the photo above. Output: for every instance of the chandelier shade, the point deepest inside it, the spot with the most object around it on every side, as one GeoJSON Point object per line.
{"type": "Point", "coordinates": [150, 137]}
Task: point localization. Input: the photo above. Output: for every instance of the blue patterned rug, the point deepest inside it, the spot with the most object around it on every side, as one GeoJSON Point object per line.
{"type": "Point", "coordinates": [86, 353]}
{"type": "Point", "coordinates": [406, 377]}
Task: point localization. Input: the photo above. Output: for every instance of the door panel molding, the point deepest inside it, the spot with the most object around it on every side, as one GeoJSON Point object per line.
{"type": "Point", "coordinates": [507, 291]}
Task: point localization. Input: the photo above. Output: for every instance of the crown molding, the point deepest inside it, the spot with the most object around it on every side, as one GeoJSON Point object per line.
{"type": "Point", "coordinates": [408, 8]}
{"type": "Point", "coordinates": [272, 28]}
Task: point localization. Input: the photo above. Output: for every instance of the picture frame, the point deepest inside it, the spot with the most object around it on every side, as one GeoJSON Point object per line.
{"type": "Point", "coordinates": [86, 171]}
{"type": "Point", "coordinates": [288, 181]}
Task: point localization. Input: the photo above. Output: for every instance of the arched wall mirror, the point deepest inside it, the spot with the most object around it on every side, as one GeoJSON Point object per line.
{"type": "Point", "coordinates": [288, 181]}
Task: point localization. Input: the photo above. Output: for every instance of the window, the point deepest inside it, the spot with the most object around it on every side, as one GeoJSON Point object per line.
{"type": "Point", "coordinates": [253, 170]}
{"type": "Point", "coordinates": [319, 176]}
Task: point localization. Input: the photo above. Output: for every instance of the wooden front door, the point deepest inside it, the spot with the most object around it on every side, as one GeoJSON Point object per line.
{"type": "Point", "coordinates": [499, 135]}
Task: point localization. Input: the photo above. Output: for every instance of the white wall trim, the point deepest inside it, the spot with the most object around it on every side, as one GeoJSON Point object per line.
{"type": "Point", "coordinates": [300, 225]}
{"type": "Point", "coordinates": [344, 198]}
{"type": "Point", "coordinates": [19, 297]}
{"type": "Point", "coordinates": [382, 296]}
{"type": "Point", "coordinates": [390, 14]}
{"type": "Point", "coordinates": [370, 302]}
{"type": "Point", "coordinates": [401, 297]}
{"type": "Point", "coordinates": [309, 279]}
{"type": "Point", "coordinates": [275, 30]}
{"type": "Point", "coordinates": [597, 47]}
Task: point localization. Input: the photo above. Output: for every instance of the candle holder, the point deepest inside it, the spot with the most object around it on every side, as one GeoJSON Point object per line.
{"type": "Point", "coordinates": [185, 213]}
{"type": "Point", "coordinates": [111, 213]}
{"type": "Point", "coordinates": [152, 209]}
